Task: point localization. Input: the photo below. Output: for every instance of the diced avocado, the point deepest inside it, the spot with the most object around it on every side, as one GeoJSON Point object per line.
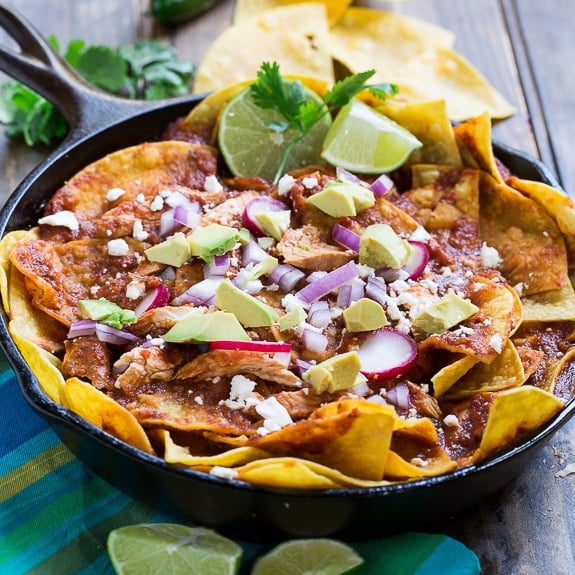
{"type": "Point", "coordinates": [265, 267]}
{"type": "Point", "coordinates": [250, 311]}
{"type": "Point", "coordinates": [445, 313]}
{"type": "Point", "coordinates": [212, 240]}
{"type": "Point", "coordinates": [106, 312]}
{"type": "Point", "coordinates": [244, 236]}
{"type": "Point", "coordinates": [293, 318]}
{"type": "Point", "coordinates": [338, 372]}
{"type": "Point", "coordinates": [175, 251]}
{"type": "Point", "coordinates": [201, 327]}
{"type": "Point", "coordinates": [274, 224]}
{"type": "Point", "coordinates": [380, 246]}
{"type": "Point", "coordinates": [364, 315]}
{"type": "Point", "coordinates": [363, 197]}
{"type": "Point", "coordinates": [335, 201]}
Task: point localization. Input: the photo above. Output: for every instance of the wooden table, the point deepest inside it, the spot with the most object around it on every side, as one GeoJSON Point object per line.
{"type": "Point", "coordinates": [525, 48]}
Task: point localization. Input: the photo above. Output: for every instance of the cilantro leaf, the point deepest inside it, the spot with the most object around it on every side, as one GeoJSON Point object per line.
{"type": "Point", "coordinates": [147, 69]}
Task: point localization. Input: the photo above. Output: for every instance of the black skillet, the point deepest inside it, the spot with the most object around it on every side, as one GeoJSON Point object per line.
{"type": "Point", "coordinates": [101, 124]}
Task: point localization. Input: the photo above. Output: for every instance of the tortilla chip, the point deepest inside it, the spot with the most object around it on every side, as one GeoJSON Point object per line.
{"type": "Point", "coordinates": [6, 245]}
{"type": "Point", "coordinates": [525, 235]}
{"type": "Point", "coordinates": [102, 411]}
{"type": "Point", "coordinates": [45, 366]}
{"type": "Point", "coordinates": [555, 305]}
{"type": "Point", "coordinates": [398, 468]}
{"type": "Point", "coordinates": [245, 9]}
{"type": "Point", "coordinates": [295, 36]}
{"type": "Point", "coordinates": [505, 371]}
{"type": "Point", "coordinates": [515, 414]}
{"type": "Point", "coordinates": [561, 379]}
{"type": "Point", "coordinates": [449, 375]}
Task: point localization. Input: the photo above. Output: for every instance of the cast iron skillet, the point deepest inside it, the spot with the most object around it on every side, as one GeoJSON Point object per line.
{"type": "Point", "coordinates": [102, 124]}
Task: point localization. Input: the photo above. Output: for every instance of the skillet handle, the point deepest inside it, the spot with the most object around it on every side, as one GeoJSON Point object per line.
{"type": "Point", "coordinates": [43, 70]}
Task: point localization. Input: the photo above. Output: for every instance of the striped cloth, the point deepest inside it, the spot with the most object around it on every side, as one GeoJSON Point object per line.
{"type": "Point", "coordinates": [55, 514]}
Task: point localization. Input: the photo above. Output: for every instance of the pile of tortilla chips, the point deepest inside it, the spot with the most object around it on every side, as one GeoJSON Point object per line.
{"type": "Point", "coordinates": [306, 38]}
{"type": "Point", "coordinates": [475, 390]}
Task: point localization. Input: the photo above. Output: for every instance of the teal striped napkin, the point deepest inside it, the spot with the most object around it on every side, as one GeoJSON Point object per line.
{"type": "Point", "coordinates": [55, 514]}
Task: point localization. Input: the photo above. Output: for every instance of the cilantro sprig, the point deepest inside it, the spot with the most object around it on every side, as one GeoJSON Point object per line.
{"type": "Point", "coordinates": [147, 69]}
{"type": "Point", "coordinates": [298, 112]}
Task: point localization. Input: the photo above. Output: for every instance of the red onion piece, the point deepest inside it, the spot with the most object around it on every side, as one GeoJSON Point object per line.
{"type": "Point", "coordinates": [343, 174]}
{"type": "Point", "coordinates": [376, 290]}
{"type": "Point", "coordinates": [109, 334]}
{"type": "Point", "coordinates": [302, 366]}
{"type": "Point", "coordinates": [217, 267]}
{"type": "Point", "coordinates": [333, 280]}
{"type": "Point", "coordinates": [349, 293]}
{"type": "Point", "coordinates": [319, 314]}
{"type": "Point", "coordinates": [387, 353]}
{"type": "Point", "coordinates": [258, 206]}
{"type": "Point", "coordinates": [168, 224]}
{"type": "Point", "coordinates": [286, 276]}
{"type": "Point", "coordinates": [157, 297]}
{"type": "Point", "coordinates": [259, 346]}
{"type": "Point", "coordinates": [201, 293]}
{"type": "Point", "coordinates": [187, 215]}
{"type": "Point", "coordinates": [253, 253]}
{"type": "Point", "coordinates": [399, 395]}
{"type": "Point", "coordinates": [381, 186]}
{"type": "Point", "coordinates": [82, 327]}
{"type": "Point", "coordinates": [345, 237]}
{"type": "Point", "coordinates": [314, 340]}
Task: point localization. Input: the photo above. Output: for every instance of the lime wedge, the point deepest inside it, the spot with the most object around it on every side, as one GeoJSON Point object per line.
{"type": "Point", "coordinates": [250, 148]}
{"type": "Point", "coordinates": [364, 141]}
{"type": "Point", "coordinates": [311, 556]}
{"type": "Point", "coordinates": [161, 548]}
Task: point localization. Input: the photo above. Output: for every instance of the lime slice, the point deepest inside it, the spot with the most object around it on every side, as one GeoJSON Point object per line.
{"type": "Point", "coordinates": [250, 148]}
{"type": "Point", "coordinates": [310, 556]}
{"type": "Point", "coordinates": [364, 141]}
{"type": "Point", "coordinates": [162, 548]}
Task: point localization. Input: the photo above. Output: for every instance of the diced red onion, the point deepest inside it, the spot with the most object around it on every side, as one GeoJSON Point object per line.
{"type": "Point", "coordinates": [187, 215]}
{"type": "Point", "coordinates": [109, 334]}
{"type": "Point", "coordinates": [381, 185]}
{"type": "Point", "coordinates": [259, 346]}
{"type": "Point", "coordinates": [376, 290]}
{"type": "Point", "coordinates": [246, 282]}
{"type": "Point", "coordinates": [260, 205]}
{"type": "Point", "coordinates": [201, 293]}
{"type": "Point", "coordinates": [157, 297]}
{"type": "Point", "coordinates": [283, 357]}
{"type": "Point", "coordinates": [349, 293]}
{"type": "Point", "coordinates": [399, 395]}
{"type": "Point", "coordinates": [286, 276]}
{"type": "Point", "coordinates": [168, 224]}
{"type": "Point", "coordinates": [319, 314]}
{"type": "Point", "coordinates": [314, 340]}
{"type": "Point", "coordinates": [332, 281]}
{"type": "Point", "coordinates": [217, 267]}
{"type": "Point", "coordinates": [343, 174]}
{"type": "Point", "coordinates": [253, 253]}
{"type": "Point", "coordinates": [387, 353]}
{"type": "Point", "coordinates": [302, 366]}
{"type": "Point", "coordinates": [82, 327]}
{"type": "Point", "coordinates": [345, 237]}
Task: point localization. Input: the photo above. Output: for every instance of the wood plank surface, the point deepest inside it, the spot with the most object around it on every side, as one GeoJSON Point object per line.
{"type": "Point", "coordinates": [523, 47]}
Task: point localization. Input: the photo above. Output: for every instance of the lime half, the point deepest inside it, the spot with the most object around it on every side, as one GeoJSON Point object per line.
{"type": "Point", "coordinates": [364, 141]}
{"type": "Point", "coordinates": [309, 556]}
{"type": "Point", "coordinates": [166, 548]}
{"type": "Point", "coordinates": [251, 148]}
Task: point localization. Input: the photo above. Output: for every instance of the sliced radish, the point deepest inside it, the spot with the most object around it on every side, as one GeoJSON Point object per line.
{"type": "Point", "coordinates": [157, 297]}
{"type": "Point", "coordinates": [258, 206]}
{"type": "Point", "coordinates": [386, 354]}
{"type": "Point", "coordinates": [260, 346]}
{"type": "Point", "coordinates": [418, 259]}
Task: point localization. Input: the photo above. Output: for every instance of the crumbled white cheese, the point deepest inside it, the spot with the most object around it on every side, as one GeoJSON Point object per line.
{"type": "Point", "coordinates": [291, 302]}
{"type": "Point", "coordinates": [199, 400]}
{"type": "Point", "coordinates": [418, 462]}
{"type": "Point", "coordinates": [65, 218]}
{"type": "Point", "coordinates": [223, 472]}
{"type": "Point", "coordinates": [138, 232]}
{"type": "Point", "coordinates": [118, 247]}
{"type": "Point", "coordinates": [309, 182]}
{"type": "Point", "coordinates": [420, 235]}
{"type": "Point", "coordinates": [141, 199]}
{"type": "Point", "coordinates": [365, 271]}
{"type": "Point", "coordinates": [285, 184]}
{"type": "Point", "coordinates": [94, 290]}
{"type": "Point", "coordinates": [241, 393]}
{"type": "Point", "coordinates": [157, 204]}
{"type": "Point", "coordinates": [212, 185]}
{"type": "Point", "coordinates": [490, 257]}
{"type": "Point", "coordinates": [114, 194]}
{"type": "Point", "coordinates": [496, 342]}
{"type": "Point", "coordinates": [451, 420]}
{"type": "Point", "coordinates": [135, 289]}
{"type": "Point", "coordinates": [266, 243]}
{"type": "Point", "coordinates": [275, 415]}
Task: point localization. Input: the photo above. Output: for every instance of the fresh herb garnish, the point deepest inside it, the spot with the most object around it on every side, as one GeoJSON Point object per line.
{"type": "Point", "coordinates": [299, 113]}
{"type": "Point", "coordinates": [147, 69]}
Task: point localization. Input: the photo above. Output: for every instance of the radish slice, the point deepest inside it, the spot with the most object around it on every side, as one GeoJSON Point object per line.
{"type": "Point", "coordinates": [158, 297]}
{"type": "Point", "coordinates": [260, 346]}
{"type": "Point", "coordinates": [387, 353]}
{"type": "Point", "coordinates": [418, 259]}
{"type": "Point", "coordinates": [328, 283]}
{"type": "Point", "coordinates": [345, 237]}
{"type": "Point", "coordinates": [258, 206]}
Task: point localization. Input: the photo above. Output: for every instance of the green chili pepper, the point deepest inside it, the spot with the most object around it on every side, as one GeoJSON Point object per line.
{"type": "Point", "coordinates": [176, 11]}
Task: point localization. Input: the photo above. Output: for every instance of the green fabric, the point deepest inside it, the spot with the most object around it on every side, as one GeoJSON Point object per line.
{"type": "Point", "coordinates": [55, 514]}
